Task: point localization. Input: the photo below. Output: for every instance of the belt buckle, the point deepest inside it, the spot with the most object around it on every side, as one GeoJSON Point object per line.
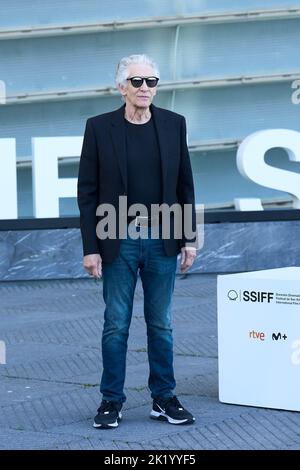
{"type": "Point", "coordinates": [141, 217]}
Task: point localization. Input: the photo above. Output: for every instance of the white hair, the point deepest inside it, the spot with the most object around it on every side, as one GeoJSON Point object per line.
{"type": "Point", "coordinates": [125, 62]}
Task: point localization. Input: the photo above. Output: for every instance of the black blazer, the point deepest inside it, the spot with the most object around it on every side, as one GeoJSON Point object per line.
{"type": "Point", "coordinates": [103, 174]}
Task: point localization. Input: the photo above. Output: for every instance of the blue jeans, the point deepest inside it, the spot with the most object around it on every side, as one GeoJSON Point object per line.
{"type": "Point", "coordinates": [157, 272]}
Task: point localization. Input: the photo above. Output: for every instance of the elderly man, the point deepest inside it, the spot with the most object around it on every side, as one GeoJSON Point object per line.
{"type": "Point", "coordinates": [138, 152]}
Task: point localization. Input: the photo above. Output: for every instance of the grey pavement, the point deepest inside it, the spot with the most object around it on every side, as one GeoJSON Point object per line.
{"type": "Point", "coordinates": [49, 386]}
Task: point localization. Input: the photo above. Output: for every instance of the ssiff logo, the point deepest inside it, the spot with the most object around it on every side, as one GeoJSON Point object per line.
{"type": "Point", "coordinates": [2, 352]}
{"type": "Point", "coordinates": [232, 294]}
{"type": "Point", "coordinates": [250, 296]}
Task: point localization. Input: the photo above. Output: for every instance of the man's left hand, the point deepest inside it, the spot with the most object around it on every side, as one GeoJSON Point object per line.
{"type": "Point", "coordinates": [188, 254]}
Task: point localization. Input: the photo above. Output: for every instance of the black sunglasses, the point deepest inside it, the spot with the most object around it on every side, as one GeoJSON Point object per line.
{"type": "Point", "coordinates": [137, 82]}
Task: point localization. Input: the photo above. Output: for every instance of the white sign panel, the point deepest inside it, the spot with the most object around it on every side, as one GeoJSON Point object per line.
{"type": "Point", "coordinates": [251, 161]}
{"type": "Point", "coordinates": [8, 179]}
{"type": "Point", "coordinates": [47, 186]}
{"type": "Point", "coordinates": [259, 338]}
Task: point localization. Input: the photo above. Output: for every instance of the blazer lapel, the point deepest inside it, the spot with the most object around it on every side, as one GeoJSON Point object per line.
{"type": "Point", "coordinates": [119, 142]}
{"type": "Point", "coordinates": [161, 131]}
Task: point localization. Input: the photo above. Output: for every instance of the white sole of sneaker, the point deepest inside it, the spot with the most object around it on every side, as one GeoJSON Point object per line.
{"type": "Point", "coordinates": [108, 426]}
{"type": "Point", "coordinates": [164, 417]}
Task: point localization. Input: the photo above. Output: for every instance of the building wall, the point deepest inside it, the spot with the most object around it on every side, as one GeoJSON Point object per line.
{"type": "Point", "coordinates": [228, 247]}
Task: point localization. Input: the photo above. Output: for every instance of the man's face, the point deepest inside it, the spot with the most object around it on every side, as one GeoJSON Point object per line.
{"type": "Point", "coordinates": [138, 97]}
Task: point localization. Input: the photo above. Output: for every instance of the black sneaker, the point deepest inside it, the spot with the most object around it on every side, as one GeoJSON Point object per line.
{"type": "Point", "coordinates": [170, 409]}
{"type": "Point", "coordinates": [108, 415]}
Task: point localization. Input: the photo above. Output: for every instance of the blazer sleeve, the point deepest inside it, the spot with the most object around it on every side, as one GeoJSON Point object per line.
{"type": "Point", "coordinates": [185, 188]}
{"type": "Point", "coordinates": [87, 190]}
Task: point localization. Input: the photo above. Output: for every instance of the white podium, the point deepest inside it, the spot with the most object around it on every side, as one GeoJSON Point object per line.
{"type": "Point", "coordinates": [259, 338]}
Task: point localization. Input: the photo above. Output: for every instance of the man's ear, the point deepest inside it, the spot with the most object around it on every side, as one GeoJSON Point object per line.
{"type": "Point", "coordinates": [122, 89]}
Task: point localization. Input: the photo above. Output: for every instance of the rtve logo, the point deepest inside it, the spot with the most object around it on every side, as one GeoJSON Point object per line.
{"type": "Point", "coordinates": [257, 335]}
{"type": "Point", "coordinates": [250, 296]}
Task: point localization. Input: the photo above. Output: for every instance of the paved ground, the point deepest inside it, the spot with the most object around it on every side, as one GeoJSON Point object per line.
{"type": "Point", "coordinates": [49, 385]}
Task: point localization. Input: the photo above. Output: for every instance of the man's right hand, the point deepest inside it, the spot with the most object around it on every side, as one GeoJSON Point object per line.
{"type": "Point", "coordinates": [93, 265]}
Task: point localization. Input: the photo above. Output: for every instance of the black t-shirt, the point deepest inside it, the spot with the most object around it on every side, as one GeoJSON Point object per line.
{"type": "Point", "coordinates": [143, 164]}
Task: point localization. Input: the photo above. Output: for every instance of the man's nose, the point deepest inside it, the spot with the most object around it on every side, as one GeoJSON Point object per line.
{"type": "Point", "coordinates": [144, 86]}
